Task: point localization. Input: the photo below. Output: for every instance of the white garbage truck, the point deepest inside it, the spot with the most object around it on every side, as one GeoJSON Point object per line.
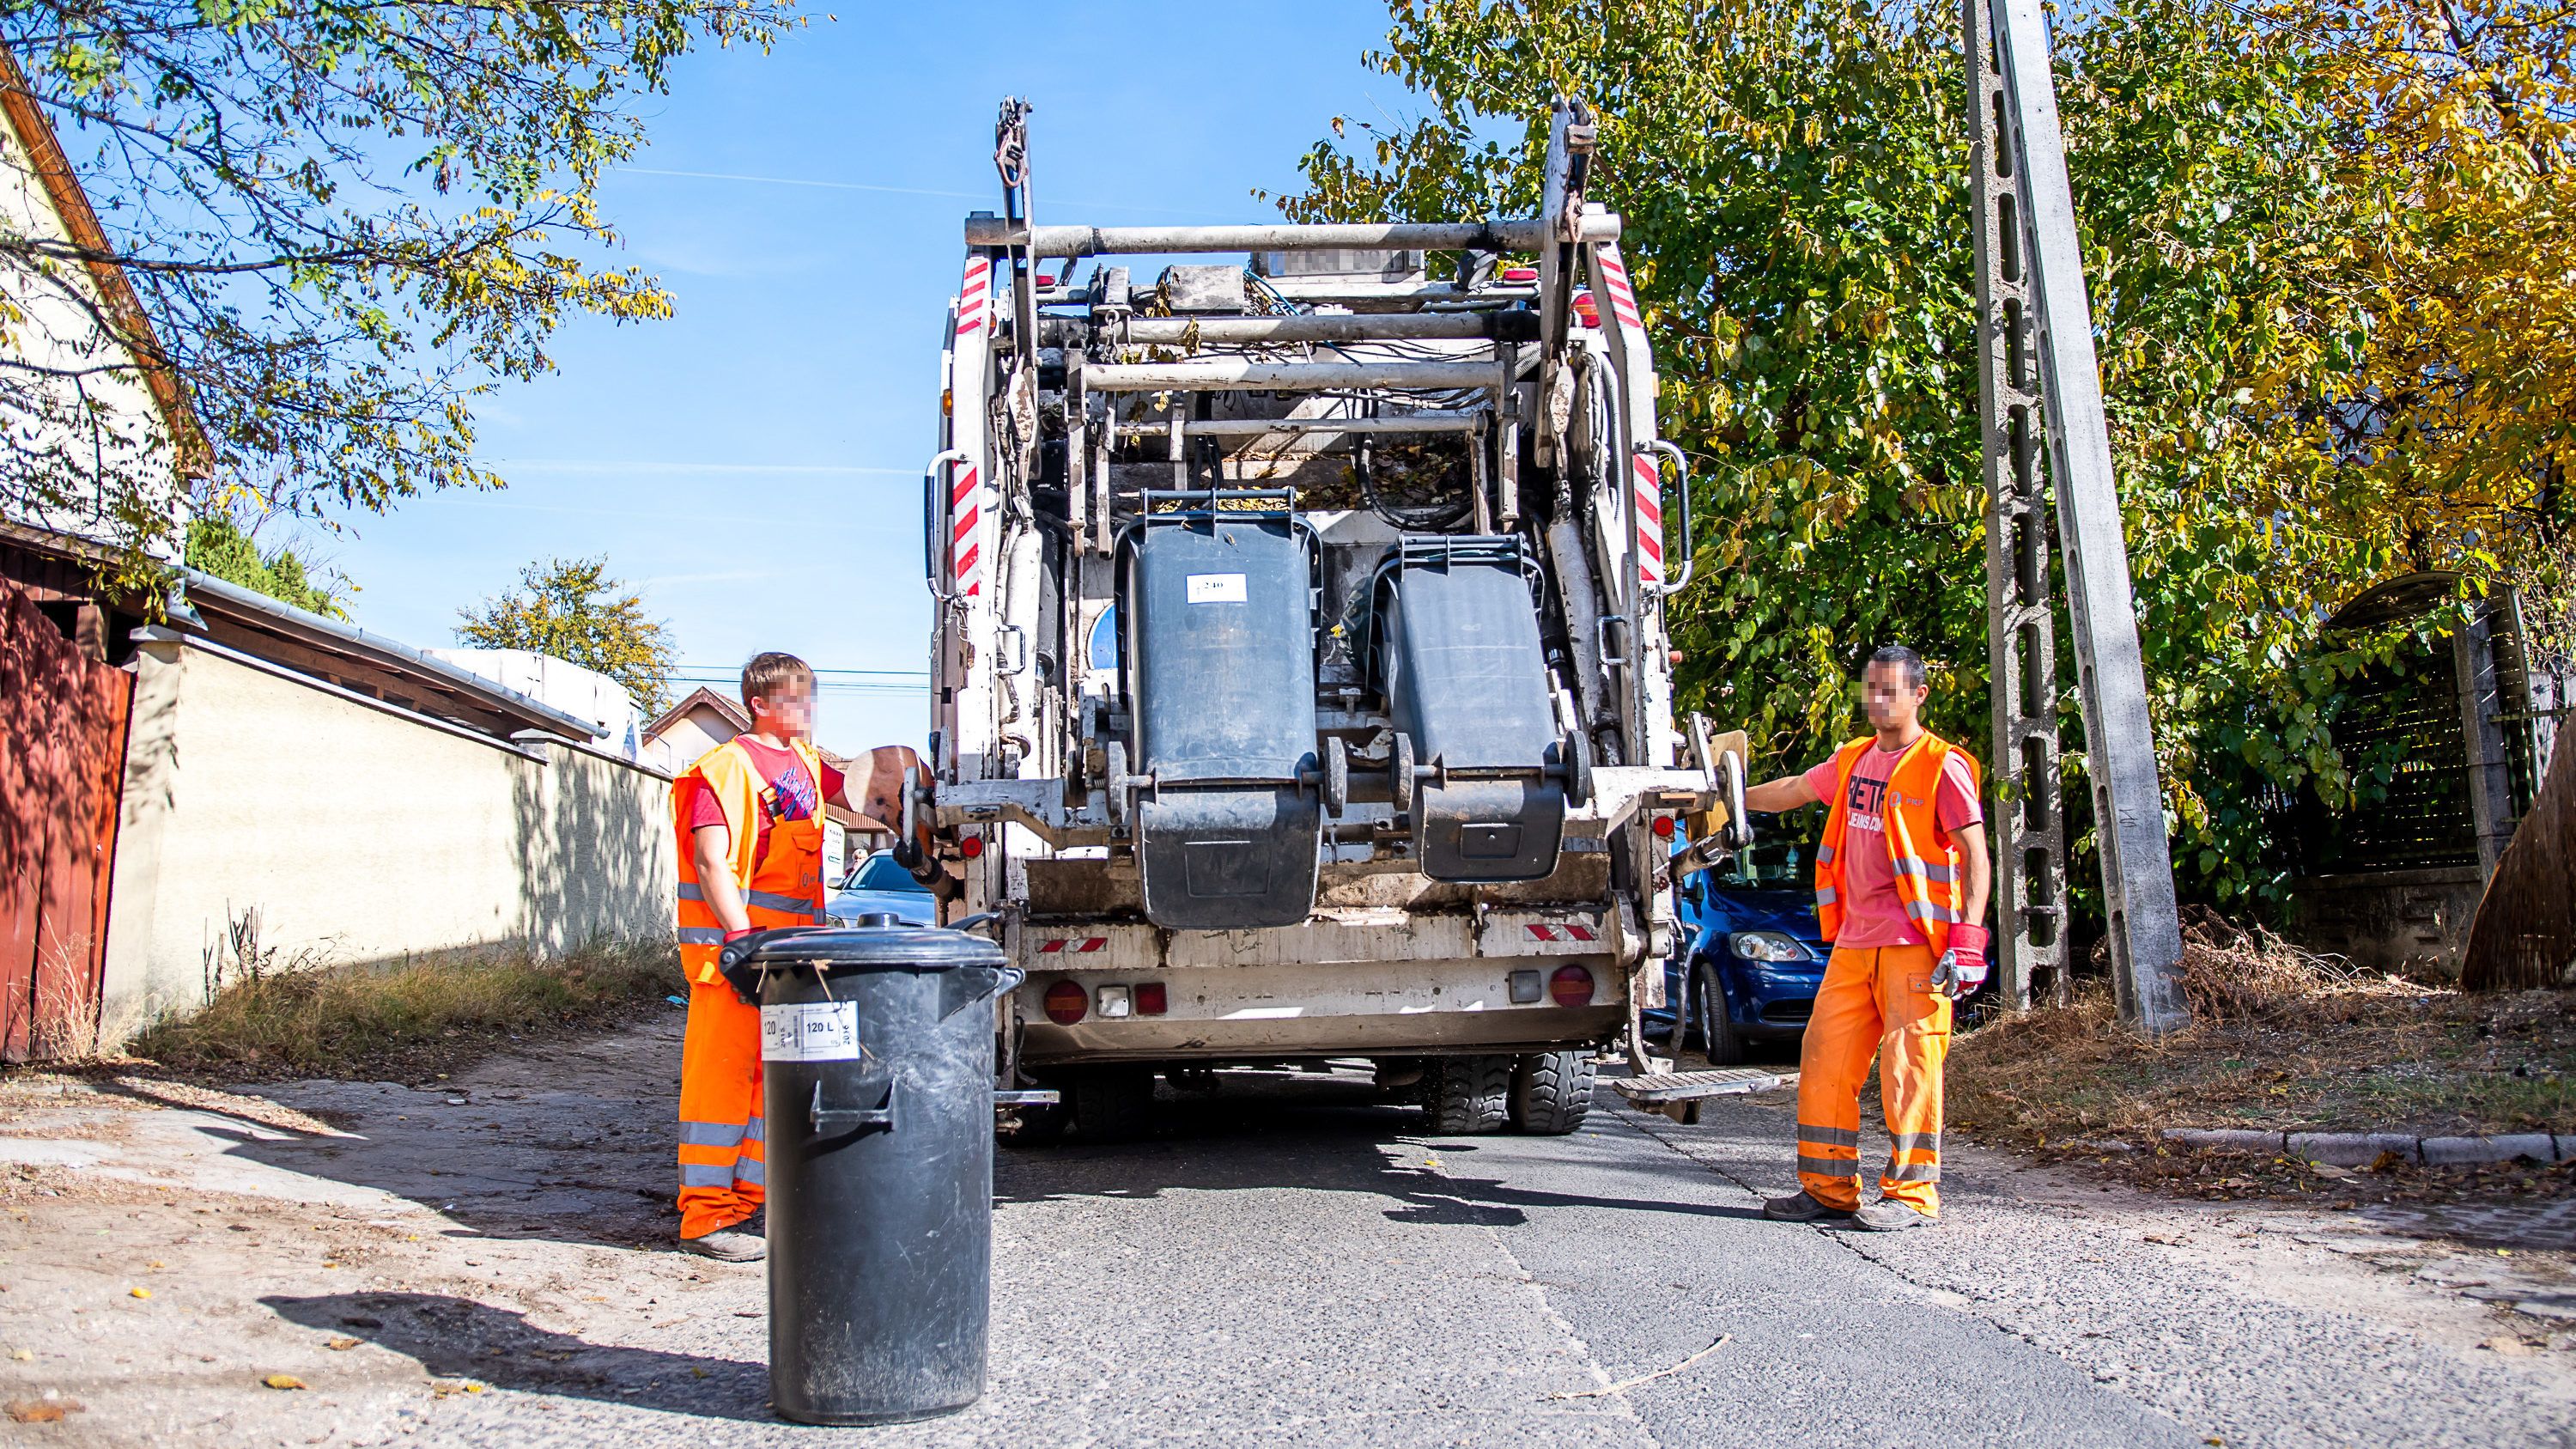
{"type": "Point", "coordinates": [1300, 685]}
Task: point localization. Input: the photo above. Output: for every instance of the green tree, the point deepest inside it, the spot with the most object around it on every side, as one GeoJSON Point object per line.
{"type": "Point", "coordinates": [1793, 178]}
{"type": "Point", "coordinates": [344, 220]}
{"type": "Point", "coordinates": [219, 546]}
{"type": "Point", "coordinates": [572, 609]}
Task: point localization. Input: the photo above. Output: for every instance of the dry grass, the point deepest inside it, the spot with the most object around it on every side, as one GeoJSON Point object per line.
{"type": "Point", "coordinates": [408, 1020]}
{"type": "Point", "coordinates": [2280, 1039]}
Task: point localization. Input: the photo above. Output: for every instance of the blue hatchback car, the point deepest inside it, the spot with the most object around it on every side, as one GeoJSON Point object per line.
{"type": "Point", "coordinates": [1754, 956]}
{"type": "Point", "coordinates": [879, 886]}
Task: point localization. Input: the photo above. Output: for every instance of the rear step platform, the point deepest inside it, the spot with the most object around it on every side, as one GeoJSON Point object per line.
{"type": "Point", "coordinates": [1678, 1094]}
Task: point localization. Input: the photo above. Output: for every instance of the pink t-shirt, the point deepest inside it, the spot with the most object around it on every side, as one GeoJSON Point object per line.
{"type": "Point", "coordinates": [1873, 915]}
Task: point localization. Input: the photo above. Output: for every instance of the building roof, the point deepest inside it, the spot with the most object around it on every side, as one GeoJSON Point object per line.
{"type": "Point", "coordinates": [26, 117]}
{"type": "Point", "coordinates": [722, 704]}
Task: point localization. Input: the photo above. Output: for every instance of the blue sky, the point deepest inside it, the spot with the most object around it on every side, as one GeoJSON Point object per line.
{"type": "Point", "coordinates": [755, 462]}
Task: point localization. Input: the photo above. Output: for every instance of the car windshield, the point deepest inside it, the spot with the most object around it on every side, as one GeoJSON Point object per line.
{"type": "Point", "coordinates": [1769, 865]}
{"type": "Point", "coordinates": [880, 873]}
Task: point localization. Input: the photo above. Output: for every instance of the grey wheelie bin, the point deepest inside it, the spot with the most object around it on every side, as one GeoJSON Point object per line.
{"type": "Point", "coordinates": [877, 1057]}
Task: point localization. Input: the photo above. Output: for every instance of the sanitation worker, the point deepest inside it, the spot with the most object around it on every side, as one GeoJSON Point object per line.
{"type": "Point", "coordinates": [750, 820]}
{"type": "Point", "coordinates": [1901, 881]}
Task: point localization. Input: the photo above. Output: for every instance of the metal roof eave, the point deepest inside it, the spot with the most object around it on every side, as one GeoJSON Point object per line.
{"type": "Point", "coordinates": [333, 637]}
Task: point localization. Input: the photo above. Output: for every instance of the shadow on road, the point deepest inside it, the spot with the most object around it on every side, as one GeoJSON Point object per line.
{"type": "Point", "coordinates": [1268, 1130]}
{"type": "Point", "coordinates": [460, 1338]}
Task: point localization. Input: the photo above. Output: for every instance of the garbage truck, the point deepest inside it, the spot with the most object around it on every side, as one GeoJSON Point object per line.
{"type": "Point", "coordinates": [1300, 686]}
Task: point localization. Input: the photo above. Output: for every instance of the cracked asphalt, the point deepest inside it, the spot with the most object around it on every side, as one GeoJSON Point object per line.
{"type": "Point", "coordinates": [1289, 1262]}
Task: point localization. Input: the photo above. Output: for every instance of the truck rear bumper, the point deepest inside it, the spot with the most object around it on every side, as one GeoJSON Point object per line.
{"type": "Point", "coordinates": [1387, 1009]}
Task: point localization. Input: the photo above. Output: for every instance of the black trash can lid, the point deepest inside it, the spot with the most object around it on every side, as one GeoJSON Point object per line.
{"type": "Point", "coordinates": [890, 946]}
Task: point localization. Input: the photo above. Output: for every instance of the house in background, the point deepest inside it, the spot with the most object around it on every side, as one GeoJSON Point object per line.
{"type": "Point", "coordinates": [561, 684]}
{"type": "Point", "coordinates": [706, 719]}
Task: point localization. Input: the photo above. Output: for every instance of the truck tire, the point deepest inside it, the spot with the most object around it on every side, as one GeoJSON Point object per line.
{"type": "Point", "coordinates": [1717, 1035]}
{"type": "Point", "coordinates": [1551, 1092]}
{"type": "Point", "coordinates": [1469, 1094]}
{"type": "Point", "coordinates": [1110, 1104]}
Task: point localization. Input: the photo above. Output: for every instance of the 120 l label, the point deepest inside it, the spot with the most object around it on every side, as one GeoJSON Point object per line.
{"type": "Point", "coordinates": [810, 1031]}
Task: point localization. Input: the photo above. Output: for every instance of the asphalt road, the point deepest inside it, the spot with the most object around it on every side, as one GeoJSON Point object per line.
{"type": "Point", "coordinates": [1290, 1263]}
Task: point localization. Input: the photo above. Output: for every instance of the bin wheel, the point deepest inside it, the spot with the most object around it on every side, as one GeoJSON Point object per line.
{"type": "Point", "coordinates": [1399, 774]}
{"type": "Point", "coordinates": [1111, 1104]}
{"type": "Point", "coordinates": [1551, 1092]}
{"type": "Point", "coordinates": [1578, 768]}
{"type": "Point", "coordinates": [1717, 1035]}
{"type": "Point", "coordinates": [1116, 755]}
{"type": "Point", "coordinates": [1337, 777]}
{"type": "Point", "coordinates": [1470, 1094]}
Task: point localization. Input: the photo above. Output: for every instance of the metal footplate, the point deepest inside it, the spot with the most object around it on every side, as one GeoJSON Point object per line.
{"type": "Point", "coordinates": [1678, 1094]}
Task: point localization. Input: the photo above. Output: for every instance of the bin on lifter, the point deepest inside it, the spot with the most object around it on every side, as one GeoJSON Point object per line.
{"type": "Point", "coordinates": [877, 1057]}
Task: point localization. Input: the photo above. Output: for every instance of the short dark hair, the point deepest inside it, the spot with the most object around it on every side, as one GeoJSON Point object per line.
{"type": "Point", "coordinates": [762, 677]}
{"type": "Point", "coordinates": [1898, 654]}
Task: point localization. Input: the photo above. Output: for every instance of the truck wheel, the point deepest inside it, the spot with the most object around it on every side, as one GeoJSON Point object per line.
{"type": "Point", "coordinates": [1717, 1035]}
{"type": "Point", "coordinates": [1469, 1094]}
{"type": "Point", "coordinates": [1551, 1092]}
{"type": "Point", "coordinates": [1110, 1104]}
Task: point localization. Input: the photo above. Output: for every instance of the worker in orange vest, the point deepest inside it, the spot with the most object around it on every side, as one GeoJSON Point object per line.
{"type": "Point", "coordinates": [750, 821]}
{"type": "Point", "coordinates": [1901, 882]}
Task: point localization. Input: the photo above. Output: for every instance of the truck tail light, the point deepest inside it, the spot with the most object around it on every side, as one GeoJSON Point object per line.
{"type": "Point", "coordinates": [1520, 274]}
{"type": "Point", "coordinates": [973, 846]}
{"type": "Point", "coordinates": [1067, 1002]}
{"type": "Point", "coordinates": [1151, 999]}
{"type": "Point", "coordinates": [1663, 827]}
{"type": "Point", "coordinates": [1571, 986]}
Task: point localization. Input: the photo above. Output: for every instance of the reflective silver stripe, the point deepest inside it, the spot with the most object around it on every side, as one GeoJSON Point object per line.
{"type": "Point", "coordinates": [768, 901]}
{"type": "Point", "coordinates": [1828, 1166]}
{"type": "Point", "coordinates": [1824, 855]}
{"type": "Point", "coordinates": [692, 891]}
{"type": "Point", "coordinates": [1914, 1172]}
{"type": "Point", "coordinates": [749, 1170]}
{"type": "Point", "coordinates": [705, 1174]}
{"type": "Point", "coordinates": [1915, 1141]}
{"type": "Point", "coordinates": [702, 935]}
{"type": "Point", "coordinates": [710, 1134]}
{"type": "Point", "coordinates": [1828, 1136]}
{"type": "Point", "coordinates": [1825, 895]}
{"type": "Point", "coordinates": [1915, 865]}
{"type": "Point", "coordinates": [1931, 911]}
{"type": "Point", "coordinates": [751, 1131]}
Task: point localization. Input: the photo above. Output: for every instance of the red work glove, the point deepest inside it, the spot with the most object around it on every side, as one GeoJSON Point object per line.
{"type": "Point", "coordinates": [733, 936]}
{"type": "Point", "coordinates": [1963, 966]}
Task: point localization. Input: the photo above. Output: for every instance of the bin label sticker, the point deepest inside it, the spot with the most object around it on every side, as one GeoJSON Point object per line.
{"type": "Point", "coordinates": [810, 1031]}
{"type": "Point", "coordinates": [1216, 588]}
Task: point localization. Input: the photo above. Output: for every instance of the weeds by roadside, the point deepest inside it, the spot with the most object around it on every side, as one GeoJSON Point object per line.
{"type": "Point", "coordinates": [2282, 1040]}
{"type": "Point", "coordinates": [408, 1019]}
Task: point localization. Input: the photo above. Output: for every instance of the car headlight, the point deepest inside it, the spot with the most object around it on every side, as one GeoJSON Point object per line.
{"type": "Point", "coordinates": [1765, 946]}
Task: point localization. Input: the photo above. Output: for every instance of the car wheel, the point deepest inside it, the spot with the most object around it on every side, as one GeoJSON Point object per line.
{"type": "Point", "coordinates": [1469, 1094]}
{"type": "Point", "coordinates": [1551, 1092]}
{"type": "Point", "coordinates": [1717, 1035]}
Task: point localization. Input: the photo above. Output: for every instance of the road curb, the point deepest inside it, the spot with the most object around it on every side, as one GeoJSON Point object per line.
{"type": "Point", "coordinates": [2360, 1149]}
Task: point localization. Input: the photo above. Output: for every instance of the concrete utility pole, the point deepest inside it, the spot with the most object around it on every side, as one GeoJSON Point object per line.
{"type": "Point", "coordinates": [2041, 388]}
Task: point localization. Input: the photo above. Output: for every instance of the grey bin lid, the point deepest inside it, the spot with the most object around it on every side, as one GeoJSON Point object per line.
{"type": "Point", "coordinates": [875, 947]}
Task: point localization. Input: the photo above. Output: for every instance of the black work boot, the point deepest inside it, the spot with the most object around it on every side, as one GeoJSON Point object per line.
{"type": "Point", "coordinates": [1800, 1208]}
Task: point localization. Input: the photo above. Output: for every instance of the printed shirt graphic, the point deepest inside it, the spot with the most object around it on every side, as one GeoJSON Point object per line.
{"type": "Point", "coordinates": [789, 793]}
{"type": "Point", "coordinates": [1872, 913]}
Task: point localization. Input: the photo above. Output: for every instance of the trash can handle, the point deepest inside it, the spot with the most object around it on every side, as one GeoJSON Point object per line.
{"type": "Point", "coordinates": [833, 1121]}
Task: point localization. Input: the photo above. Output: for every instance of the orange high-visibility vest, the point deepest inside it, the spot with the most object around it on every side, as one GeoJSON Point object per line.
{"type": "Point", "coordinates": [1927, 881]}
{"type": "Point", "coordinates": [781, 880]}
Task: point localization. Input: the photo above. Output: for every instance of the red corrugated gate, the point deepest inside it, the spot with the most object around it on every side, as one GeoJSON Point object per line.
{"type": "Point", "coordinates": [62, 758]}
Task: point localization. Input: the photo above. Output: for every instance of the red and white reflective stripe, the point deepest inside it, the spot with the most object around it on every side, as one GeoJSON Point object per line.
{"type": "Point", "coordinates": [1080, 945]}
{"type": "Point", "coordinates": [1650, 519]}
{"type": "Point", "coordinates": [965, 511]}
{"type": "Point", "coordinates": [973, 295]}
{"type": "Point", "coordinates": [1562, 933]}
{"type": "Point", "coordinates": [1623, 298]}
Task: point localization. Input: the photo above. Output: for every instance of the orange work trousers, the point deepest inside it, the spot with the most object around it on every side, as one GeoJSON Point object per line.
{"type": "Point", "coordinates": [720, 1129]}
{"type": "Point", "coordinates": [1876, 1002]}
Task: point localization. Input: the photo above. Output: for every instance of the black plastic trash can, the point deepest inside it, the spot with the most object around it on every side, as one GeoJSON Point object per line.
{"type": "Point", "coordinates": [877, 1055]}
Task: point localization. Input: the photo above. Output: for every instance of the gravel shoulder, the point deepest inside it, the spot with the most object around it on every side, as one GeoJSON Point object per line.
{"type": "Point", "coordinates": [488, 1260]}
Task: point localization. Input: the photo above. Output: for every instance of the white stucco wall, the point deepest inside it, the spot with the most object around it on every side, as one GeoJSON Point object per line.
{"type": "Point", "coordinates": [356, 833]}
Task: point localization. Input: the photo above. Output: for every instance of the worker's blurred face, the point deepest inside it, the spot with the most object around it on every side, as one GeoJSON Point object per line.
{"type": "Point", "coordinates": [789, 714]}
{"type": "Point", "coordinates": [1893, 704]}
